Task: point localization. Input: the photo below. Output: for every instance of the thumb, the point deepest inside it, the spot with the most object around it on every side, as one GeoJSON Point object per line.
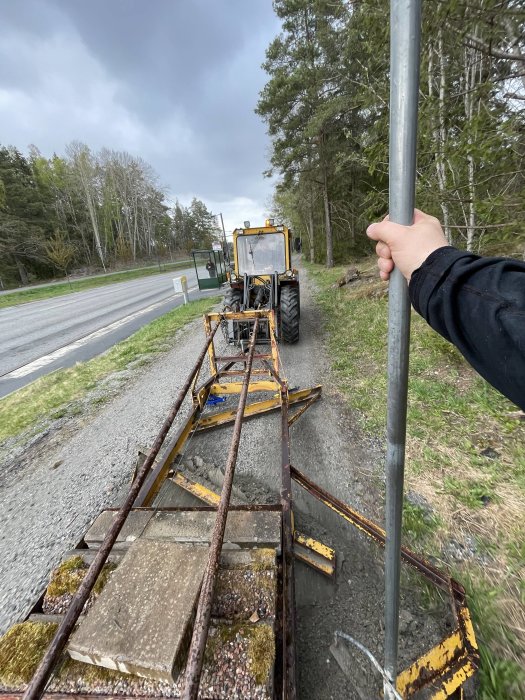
{"type": "Point", "coordinates": [385, 231]}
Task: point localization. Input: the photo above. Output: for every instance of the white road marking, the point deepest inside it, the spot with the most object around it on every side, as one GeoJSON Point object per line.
{"type": "Point", "coordinates": [47, 359]}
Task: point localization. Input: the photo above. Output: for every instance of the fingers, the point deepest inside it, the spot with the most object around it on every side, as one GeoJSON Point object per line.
{"type": "Point", "coordinates": [385, 267]}
{"type": "Point", "coordinates": [382, 250]}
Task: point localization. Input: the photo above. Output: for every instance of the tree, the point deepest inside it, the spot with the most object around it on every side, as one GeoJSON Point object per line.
{"type": "Point", "coordinates": [300, 101]}
{"type": "Point", "coordinates": [60, 252]}
{"type": "Point", "coordinates": [326, 104]}
{"type": "Point", "coordinates": [22, 217]}
{"type": "Point", "coordinates": [85, 176]}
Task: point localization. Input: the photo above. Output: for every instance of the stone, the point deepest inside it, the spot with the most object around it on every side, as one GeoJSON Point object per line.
{"type": "Point", "coordinates": [490, 453]}
{"type": "Point", "coordinates": [198, 461]}
{"type": "Point", "coordinates": [242, 527]}
{"type": "Point", "coordinates": [132, 529]}
{"type": "Point", "coordinates": [142, 621]}
{"type": "Point", "coordinates": [405, 620]}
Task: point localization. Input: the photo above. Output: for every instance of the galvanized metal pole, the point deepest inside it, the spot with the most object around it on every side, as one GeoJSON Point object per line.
{"type": "Point", "coordinates": [405, 30]}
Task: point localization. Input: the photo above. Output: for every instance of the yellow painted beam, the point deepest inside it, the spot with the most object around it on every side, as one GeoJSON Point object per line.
{"type": "Point", "coordinates": [236, 387]}
{"type": "Point", "coordinates": [196, 489]}
{"type": "Point", "coordinates": [314, 553]}
{"type": "Point", "coordinates": [256, 408]}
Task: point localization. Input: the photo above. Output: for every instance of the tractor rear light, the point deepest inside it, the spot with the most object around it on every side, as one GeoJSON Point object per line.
{"type": "Point", "coordinates": [280, 228]}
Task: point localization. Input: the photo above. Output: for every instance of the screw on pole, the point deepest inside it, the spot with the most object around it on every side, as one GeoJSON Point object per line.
{"type": "Point", "coordinates": [405, 31]}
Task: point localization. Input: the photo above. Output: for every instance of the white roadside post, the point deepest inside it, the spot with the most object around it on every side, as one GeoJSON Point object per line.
{"type": "Point", "coordinates": [180, 286]}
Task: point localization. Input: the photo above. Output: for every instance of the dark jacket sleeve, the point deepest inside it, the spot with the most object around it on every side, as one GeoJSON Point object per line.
{"type": "Point", "coordinates": [479, 305]}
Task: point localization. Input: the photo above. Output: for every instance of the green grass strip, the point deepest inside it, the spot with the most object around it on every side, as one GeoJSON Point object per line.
{"type": "Point", "coordinates": [50, 397]}
{"type": "Point", "coordinates": [57, 290]}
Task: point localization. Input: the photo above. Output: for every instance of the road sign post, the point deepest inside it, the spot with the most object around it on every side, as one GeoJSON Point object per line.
{"type": "Point", "coordinates": [180, 286]}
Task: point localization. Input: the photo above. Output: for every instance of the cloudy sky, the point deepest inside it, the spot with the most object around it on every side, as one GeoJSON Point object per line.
{"type": "Point", "coordinates": [172, 81]}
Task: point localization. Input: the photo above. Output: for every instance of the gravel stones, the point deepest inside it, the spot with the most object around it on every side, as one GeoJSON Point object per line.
{"type": "Point", "coordinates": [239, 594]}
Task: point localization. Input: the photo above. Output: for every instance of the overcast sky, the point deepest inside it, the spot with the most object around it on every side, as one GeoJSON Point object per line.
{"type": "Point", "coordinates": [172, 81]}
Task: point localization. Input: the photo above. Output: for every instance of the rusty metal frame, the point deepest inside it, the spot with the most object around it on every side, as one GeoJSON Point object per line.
{"type": "Point", "coordinates": [154, 470]}
{"type": "Point", "coordinates": [316, 554]}
{"type": "Point", "coordinates": [445, 667]}
{"type": "Point", "coordinates": [37, 685]}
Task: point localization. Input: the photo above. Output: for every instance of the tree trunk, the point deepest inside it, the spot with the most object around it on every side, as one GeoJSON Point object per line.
{"type": "Point", "coordinates": [438, 131]}
{"type": "Point", "coordinates": [21, 271]}
{"type": "Point", "coordinates": [328, 224]}
{"type": "Point", "coordinates": [440, 164]}
{"type": "Point", "coordinates": [470, 82]}
{"type": "Point", "coordinates": [310, 230]}
{"type": "Point", "coordinates": [94, 223]}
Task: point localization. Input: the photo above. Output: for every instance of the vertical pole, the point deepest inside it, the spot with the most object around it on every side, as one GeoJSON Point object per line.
{"type": "Point", "coordinates": [226, 251]}
{"type": "Point", "coordinates": [405, 30]}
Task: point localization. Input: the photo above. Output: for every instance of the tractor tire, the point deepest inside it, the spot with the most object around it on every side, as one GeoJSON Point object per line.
{"type": "Point", "coordinates": [290, 314]}
{"type": "Point", "coordinates": [233, 300]}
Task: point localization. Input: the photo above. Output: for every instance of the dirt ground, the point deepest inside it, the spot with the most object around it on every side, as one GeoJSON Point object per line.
{"type": "Point", "coordinates": [52, 490]}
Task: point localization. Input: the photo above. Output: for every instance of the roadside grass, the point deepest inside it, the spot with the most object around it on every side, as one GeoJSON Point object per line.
{"type": "Point", "coordinates": [56, 290]}
{"type": "Point", "coordinates": [465, 459]}
{"type": "Point", "coordinates": [58, 394]}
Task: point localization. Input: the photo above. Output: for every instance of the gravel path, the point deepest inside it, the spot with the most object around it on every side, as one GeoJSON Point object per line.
{"type": "Point", "coordinates": [56, 488]}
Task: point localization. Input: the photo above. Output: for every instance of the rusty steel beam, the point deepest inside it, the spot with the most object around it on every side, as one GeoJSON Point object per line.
{"type": "Point", "coordinates": [38, 683]}
{"type": "Point", "coordinates": [202, 618]}
{"type": "Point", "coordinates": [159, 470]}
{"type": "Point", "coordinates": [377, 533]}
{"type": "Point", "coordinates": [303, 409]}
{"type": "Point", "coordinates": [287, 541]}
{"type": "Point", "coordinates": [245, 507]}
{"type": "Point", "coordinates": [242, 358]}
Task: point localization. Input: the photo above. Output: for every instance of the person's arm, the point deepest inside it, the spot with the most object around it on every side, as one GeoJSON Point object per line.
{"type": "Point", "coordinates": [479, 305]}
{"type": "Point", "coordinates": [476, 303]}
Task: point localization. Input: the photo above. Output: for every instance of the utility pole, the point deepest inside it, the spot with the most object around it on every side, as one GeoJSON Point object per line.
{"type": "Point", "coordinates": [405, 31]}
{"type": "Point", "coordinates": [226, 249]}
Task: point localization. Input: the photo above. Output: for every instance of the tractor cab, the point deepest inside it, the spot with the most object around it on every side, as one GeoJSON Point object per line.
{"type": "Point", "coordinates": [262, 251]}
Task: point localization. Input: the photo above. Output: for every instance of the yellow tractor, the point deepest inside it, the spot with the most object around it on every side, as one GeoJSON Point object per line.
{"type": "Point", "coordinates": [263, 278]}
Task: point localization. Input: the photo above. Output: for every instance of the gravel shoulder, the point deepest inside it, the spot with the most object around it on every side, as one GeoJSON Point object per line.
{"type": "Point", "coordinates": [53, 490]}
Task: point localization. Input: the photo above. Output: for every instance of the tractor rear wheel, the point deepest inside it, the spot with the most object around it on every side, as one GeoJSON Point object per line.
{"type": "Point", "coordinates": [233, 299]}
{"type": "Point", "coordinates": [290, 313]}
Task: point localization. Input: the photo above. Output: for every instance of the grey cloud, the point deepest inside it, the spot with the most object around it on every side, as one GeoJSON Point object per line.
{"type": "Point", "coordinates": [181, 76]}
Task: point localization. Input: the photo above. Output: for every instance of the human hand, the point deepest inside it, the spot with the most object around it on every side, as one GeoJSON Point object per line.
{"type": "Point", "coordinates": [406, 247]}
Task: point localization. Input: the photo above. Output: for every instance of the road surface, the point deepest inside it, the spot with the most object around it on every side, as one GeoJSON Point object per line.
{"type": "Point", "coordinates": [43, 336]}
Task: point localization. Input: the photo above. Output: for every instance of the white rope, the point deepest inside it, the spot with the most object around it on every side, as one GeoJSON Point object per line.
{"type": "Point", "coordinates": [375, 662]}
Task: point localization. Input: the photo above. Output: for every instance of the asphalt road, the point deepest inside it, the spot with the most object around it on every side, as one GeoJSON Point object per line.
{"type": "Point", "coordinates": [43, 336]}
